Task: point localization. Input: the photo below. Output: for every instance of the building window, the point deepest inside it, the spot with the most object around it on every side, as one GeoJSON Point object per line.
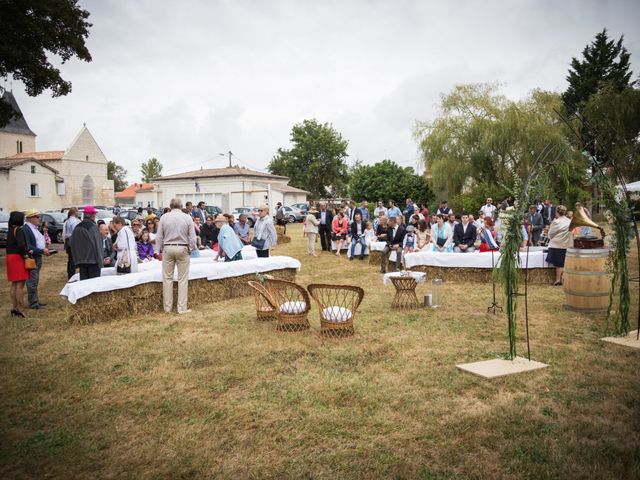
{"type": "Point", "coordinates": [34, 190]}
{"type": "Point", "coordinates": [18, 146]}
{"type": "Point", "coordinates": [33, 169]}
{"type": "Point", "coordinates": [87, 190]}
{"type": "Point", "coordinates": [86, 158]}
{"type": "Point", "coordinates": [20, 142]}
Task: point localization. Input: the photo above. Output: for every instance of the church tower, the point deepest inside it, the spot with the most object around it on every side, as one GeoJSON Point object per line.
{"type": "Point", "coordinates": [16, 136]}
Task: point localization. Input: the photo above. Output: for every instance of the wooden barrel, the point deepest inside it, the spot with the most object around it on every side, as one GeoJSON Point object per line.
{"type": "Point", "coordinates": [587, 282]}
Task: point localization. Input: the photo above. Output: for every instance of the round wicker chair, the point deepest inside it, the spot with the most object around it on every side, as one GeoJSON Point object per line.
{"type": "Point", "coordinates": [291, 303]}
{"type": "Point", "coordinates": [265, 305]}
{"type": "Point", "coordinates": [337, 306]}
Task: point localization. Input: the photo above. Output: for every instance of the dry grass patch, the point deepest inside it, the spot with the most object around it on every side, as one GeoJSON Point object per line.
{"type": "Point", "coordinates": [217, 394]}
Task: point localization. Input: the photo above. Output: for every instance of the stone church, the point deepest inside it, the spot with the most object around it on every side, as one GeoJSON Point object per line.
{"type": "Point", "coordinates": [50, 180]}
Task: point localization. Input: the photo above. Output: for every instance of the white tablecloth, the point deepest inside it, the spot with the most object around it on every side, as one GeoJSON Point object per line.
{"type": "Point", "coordinates": [152, 272]}
{"type": "Point", "coordinates": [471, 260]}
{"type": "Point", "coordinates": [419, 277]}
{"type": "Point", "coordinates": [206, 255]}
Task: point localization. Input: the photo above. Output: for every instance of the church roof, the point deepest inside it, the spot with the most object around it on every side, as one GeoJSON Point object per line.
{"type": "Point", "coordinates": [15, 125]}
{"type": "Point", "coordinates": [220, 173]}
{"type": "Point", "coordinates": [47, 155]}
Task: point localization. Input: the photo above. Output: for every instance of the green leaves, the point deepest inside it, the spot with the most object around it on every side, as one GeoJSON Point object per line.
{"type": "Point", "coordinates": [30, 34]}
{"type": "Point", "coordinates": [388, 181]}
{"type": "Point", "coordinates": [317, 160]}
{"type": "Point", "coordinates": [118, 174]}
{"type": "Point", "coordinates": [150, 170]}
{"type": "Point", "coordinates": [481, 139]}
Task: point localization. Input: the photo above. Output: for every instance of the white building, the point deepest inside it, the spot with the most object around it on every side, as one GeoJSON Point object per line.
{"type": "Point", "coordinates": [52, 179]}
{"type": "Point", "coordinates": [227, 188]}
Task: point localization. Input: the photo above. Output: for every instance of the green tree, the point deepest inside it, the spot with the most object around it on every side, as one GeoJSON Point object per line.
{"type": "Point", "coordinates": [605, 63]}
{"type": "Point", "coordinates": [614, 117]}
{"type": "Point", "coordinates": [482, 141]}
{"type": "Point", "coordinates": [30, 32]}
{"type": "Point", "coordinates": [387, 180]}
{"type": "Point", "coordinates": [150, 170]}
{"type": "Point", "coordinates": [317, 160]}
{"type": "Point", "coordinates": [118, 174]}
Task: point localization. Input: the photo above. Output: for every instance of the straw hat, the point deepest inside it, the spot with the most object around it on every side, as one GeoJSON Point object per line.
{"type": "Point", "coordinates": [220, 219]}
{"type": "Point", "coordinates": [31, 213]}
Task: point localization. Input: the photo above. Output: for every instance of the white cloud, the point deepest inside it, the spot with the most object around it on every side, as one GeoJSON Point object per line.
{"type": "Point", "coordinates": [183, 81]}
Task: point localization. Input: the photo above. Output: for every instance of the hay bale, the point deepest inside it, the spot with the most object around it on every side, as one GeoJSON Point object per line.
{"type": "Point", "coordinates": [147, 298]}
{"type": "Point", "coordinates": [537, 276]}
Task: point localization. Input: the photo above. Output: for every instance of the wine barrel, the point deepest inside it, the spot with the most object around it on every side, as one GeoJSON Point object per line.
{"type": "Point", "coordinates": [586, 280]}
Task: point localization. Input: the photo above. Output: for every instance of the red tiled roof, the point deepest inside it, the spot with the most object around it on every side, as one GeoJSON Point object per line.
{"type": "Point", "coordinates": [132, 189]}
{"type": "Point", "coordinates": [50, 155]}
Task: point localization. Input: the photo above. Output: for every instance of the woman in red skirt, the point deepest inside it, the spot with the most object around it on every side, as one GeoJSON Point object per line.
{"type": "Point", "coordinates": [16, 273]}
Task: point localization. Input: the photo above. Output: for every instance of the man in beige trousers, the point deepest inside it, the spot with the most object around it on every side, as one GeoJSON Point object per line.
{"type": "Point", "coordinates": [176, 238]}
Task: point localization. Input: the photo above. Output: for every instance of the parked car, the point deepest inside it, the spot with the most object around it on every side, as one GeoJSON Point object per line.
{"type": "Point", "coordinates": [213, 210]}
{"type": "Point", "coordinates": [4, 228]}
{"type": "Point", "coordinates": [129, 214]}
{"type": "Point", "coordinates": [250, 212]}
{"type": "Point", "coordinates": [55, 221]}
{"type": "Point", "coordinates": [303, 207]}
{"type": "Point", "coordinates": [293, 215]}
{"type": "Point", "coordinates": [104, 215]}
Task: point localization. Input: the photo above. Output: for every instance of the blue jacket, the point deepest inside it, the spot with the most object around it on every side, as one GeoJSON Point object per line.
{"type": "Point", "coordinates": [31, 240]}
{"type": "Point", "coordinates": [228, 241]}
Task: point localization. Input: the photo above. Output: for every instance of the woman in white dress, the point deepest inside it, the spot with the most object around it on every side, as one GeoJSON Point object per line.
{"type": "Point", "coordinates": [125, 242]}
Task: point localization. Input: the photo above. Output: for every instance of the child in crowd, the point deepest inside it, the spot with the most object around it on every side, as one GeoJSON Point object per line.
{"type": "Point", "coordinates": [370, 234]}
{"type": "Point", "coordinates": [145, 249]}
{"type": "Point", "coordinates": [409, 242]}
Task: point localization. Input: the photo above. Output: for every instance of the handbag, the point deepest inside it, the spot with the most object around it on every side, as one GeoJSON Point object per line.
{"type": "Point", "coordinates": [30, 263]}
{"type": "Point", "coordinates": [441, 242]}
{"type": "Point", "coordinates": [258, 243]}
{"type": "Point", "coordinates": [124, 264]}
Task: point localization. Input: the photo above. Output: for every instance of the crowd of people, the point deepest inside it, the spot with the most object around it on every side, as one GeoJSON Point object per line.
{"type": "Point", "coordinates": [414, 228]}
{"type": "Point", "coordinates": [92, 245]}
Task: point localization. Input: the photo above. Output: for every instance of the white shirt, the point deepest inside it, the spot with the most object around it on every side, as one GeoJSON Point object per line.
{"type": "Point", "coordinates": [488, 209]}
{"type": "Point", "coordinates": [39, 237]}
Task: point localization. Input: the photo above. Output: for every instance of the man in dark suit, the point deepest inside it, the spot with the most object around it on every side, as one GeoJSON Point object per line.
{"type": "Point", "coordinates": [324, 228]}
{"type": "Point", "coordinates": [395, 236]}
{"type": "Point", "coordinates": [535, 225]}
{"type": "Point", "coordinates": [548, 212]}
{"type": "Point", "coordinates": [464, 235]}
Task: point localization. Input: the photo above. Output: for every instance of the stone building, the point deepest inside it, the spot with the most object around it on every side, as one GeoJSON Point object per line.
{"type": "Point", "coordinates": [50, 180]}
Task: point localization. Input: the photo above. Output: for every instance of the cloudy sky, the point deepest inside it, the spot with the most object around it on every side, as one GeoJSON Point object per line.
{"type": "Point", "coordinates": [184, 81]}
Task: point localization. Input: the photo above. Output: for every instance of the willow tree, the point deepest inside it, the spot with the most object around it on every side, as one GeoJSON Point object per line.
{"type": "Point", "coordinates": [482, 140]}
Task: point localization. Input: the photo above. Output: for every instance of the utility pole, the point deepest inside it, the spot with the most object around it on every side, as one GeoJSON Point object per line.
{"type": "Point", "coordinates": [225, 154]}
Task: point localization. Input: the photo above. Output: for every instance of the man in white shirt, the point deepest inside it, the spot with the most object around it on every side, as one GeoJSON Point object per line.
{"type": "Point", "coordinates": [489, 208]}
{"type": "Point", "coordinates": [378, 209]}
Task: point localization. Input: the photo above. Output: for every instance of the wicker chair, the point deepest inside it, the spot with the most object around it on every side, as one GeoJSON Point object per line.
{"type": "Point", "coordinates": [265, 305]}
{"type": "Point", "coordinates": [291, 303]}
{"type": "Point", "coordinates": [337, 306]}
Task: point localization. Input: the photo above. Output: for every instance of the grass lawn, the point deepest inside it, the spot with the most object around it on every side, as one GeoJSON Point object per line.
{"type": "Point", "coordinates": [217, 395]}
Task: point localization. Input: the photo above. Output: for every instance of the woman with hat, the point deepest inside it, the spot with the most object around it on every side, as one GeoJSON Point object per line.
{"type": "Point", "coordinates": [16, 253]}
{"type": "Point", "coordinates": [311, 225]}
{"type": "Point", "coordinates": [264, 233]}
{"type": "Point", "coordinates": [229, 245]}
